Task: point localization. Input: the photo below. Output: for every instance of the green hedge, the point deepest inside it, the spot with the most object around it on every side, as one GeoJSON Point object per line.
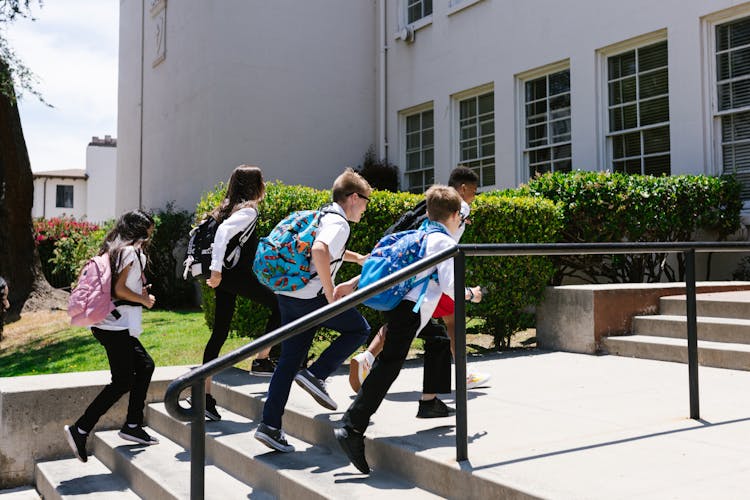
{"type": "Point", "coordinates": [513, 283]}
{"type": "Point", "coordinates": [613, 207]}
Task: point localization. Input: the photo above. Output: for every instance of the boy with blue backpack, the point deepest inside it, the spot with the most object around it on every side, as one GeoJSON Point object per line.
{"type": "Point", "coordinates": [404, 322]}
{"type": "Point", "coordinates": [322, 236]}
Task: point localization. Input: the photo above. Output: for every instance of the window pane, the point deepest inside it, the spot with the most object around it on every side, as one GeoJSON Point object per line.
{"type": "Point", "coordinates": [655, 111]}
{"type": "Point", "coordinates": [468, 133]}
{"type": "Point", "coordinates": [563, 166]}
{"type": "Point", "coordinates": [539, 169]}
{"type": "Point", "coordinates": [427, 119]}
{"type": "Point", "coordinates": [428, 158]}
{"type": "Point", "coordinates": [561, 152]}
{"type": "Point", "coordinates": [656, 165]}
{"type": "Point", "coordinates": [740, 93]}
{"type": "Point", "coordinates": [559, 82]}
{"type": "Point", "coordinates": [468, 108]}
{"type": "Point", "coordinates": [560, 105]}
{"type": "Point", "coordinates": [618, 147]}
{"type": "Point", "coordinates": [653, 84]}
{"type": "Point", "coordinates": [622, 65]}
{"type": "Point", "coordinates": [539, 155]}
{"type": "Point", "coordinates": [488, 149]}
{"type": "Point", "coordinates": [427, 138]}
{"type": "Point", "coordinates": [413, 161]}
{"type": "Point", "coordinates": [487, 103]}
{"type": "Point", "coordinates": [412, 141]}
{"type": "Point", "coordinates": [652, 57]}
{"type": "Point", "coordinates": [632, 144]}
{"type": "Point", "coordinates": [632, 166]}
{"type": "Point", "coordinates": [736, 127]}
{"type": "Point", "coordinates": [656, 140]}
{"type": "Point", "coordinates": [733, 34]}
{"type": "Point", "coordinates": [536, 112]}
{"type": "Point", "coordinates": [630, 116]}
{"type": "Point", "coordinates": [536, 89]}
{"type": "Point", "coordinates": [487, 128]}
{"type": "Point", "coordinates": [561, 131]}
{"type": "Point", "coordinates": [488, 175]}
{"type": "Point", "coordinates": [536, 136]}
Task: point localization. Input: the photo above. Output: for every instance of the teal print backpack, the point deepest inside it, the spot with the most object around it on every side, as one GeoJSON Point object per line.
{"type": "Point", "coordinates": [392, 253]}
{"type": "Point", "coordinates": [282, 261]}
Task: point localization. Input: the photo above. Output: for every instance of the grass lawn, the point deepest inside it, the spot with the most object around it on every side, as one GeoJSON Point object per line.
{"type": "Point", "coordinates": [44, 343]}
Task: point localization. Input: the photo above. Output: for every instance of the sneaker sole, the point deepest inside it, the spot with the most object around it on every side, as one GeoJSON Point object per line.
{"type": "Point", "coordinates": [363, 468]}
{"type": "Point", "coordinates": [73, 445]}
{"type": "Point", "coordinates": [272, 443]}
{"type": "Point", "coordinates": [261, 374]}
{"type": "Point", "coordinates": [324, 401]}
{"type": "Point", "coordinates": [128, 437]}
{"type": "Point", "coordinates": [214, 417]}
{"type": "Point", "coordinates": [354, 375]}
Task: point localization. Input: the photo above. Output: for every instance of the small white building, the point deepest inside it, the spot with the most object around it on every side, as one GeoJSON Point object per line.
{"type": "Point", "coordinates": [82, 194]}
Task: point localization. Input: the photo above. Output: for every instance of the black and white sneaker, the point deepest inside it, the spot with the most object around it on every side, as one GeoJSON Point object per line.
{"type": "Point", "coordinates": [273, 438]}
{"type": "Point", "coordinates": [353, 444]}
{"type": "Point", "coordinates": [211, 412]}
{"type": "Point", "coordinates": [77, 442]}
{"type": "Point", "coordinates": [137, 435]}
{"type": "Point", "coordinates": [316, 388]}
{"type": "Point", "coordinates": [262, 367]}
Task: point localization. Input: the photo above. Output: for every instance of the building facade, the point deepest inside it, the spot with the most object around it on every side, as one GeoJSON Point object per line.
{"type": "Point", "coordinates": [507, 88]}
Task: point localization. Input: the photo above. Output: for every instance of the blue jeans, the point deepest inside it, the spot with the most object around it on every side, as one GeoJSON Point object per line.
{"type": "Point", "coordinates": [353, 329]}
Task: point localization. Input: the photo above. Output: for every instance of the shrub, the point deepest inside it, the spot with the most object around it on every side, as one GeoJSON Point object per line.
{"type": "Point", "coordinates": [513, 283]}
{"type": "Point", "coordinates": [607, 207]}
{"type": "Point", "coordinates": [379, 173]}
{"type": "Point", "coordinates": [62, 243]}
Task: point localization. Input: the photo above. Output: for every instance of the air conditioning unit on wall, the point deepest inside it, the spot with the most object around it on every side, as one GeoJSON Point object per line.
{"type": "Point", "coordinates": [407, 34]}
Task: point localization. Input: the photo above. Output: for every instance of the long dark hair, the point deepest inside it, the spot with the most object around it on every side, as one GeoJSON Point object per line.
{"type": "Point", "coordinates": [130, 229]}
{"type": "Point", "coordinates": [245, 189]}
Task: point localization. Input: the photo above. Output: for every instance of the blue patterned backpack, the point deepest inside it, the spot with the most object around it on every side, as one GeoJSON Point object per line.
{"type": "Point", "coordinates": [282, 261]}
{"type": "Point", "coordinates": [394, 252]}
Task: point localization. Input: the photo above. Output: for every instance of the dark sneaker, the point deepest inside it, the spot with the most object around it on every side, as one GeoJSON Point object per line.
{"type": "Point", "coordinates": [434, 408]}
{"type": "Point", "coordinates": [273, 438]}
{"type": "Point", "coordinates": [316, 388]}
{"type": "Point", "coordinates": [77, 442]}
{"type": "Point", "coordinates": [353, 444]}
{"type": "Point", "coordinates": [262, 367]}
{"type": "Point", "coordinates": [137, 435]}
{"type": "Point", "coordinates": [211, 412]}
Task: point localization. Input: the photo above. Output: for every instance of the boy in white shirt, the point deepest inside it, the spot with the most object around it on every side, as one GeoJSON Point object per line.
{"type": "Point", "coordinates": [403, 324]}
{"type": "Point", "coordinates": [350, 198]}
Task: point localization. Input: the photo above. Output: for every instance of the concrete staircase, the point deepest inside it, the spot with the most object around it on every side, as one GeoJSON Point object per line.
{"type": "Point", "coordinates": [723, 331]}
{"type": "Point", "coordinates": [241, 467]}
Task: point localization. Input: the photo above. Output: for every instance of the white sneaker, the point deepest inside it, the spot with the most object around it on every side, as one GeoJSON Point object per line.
{"type": "Point", "coordinates": [359, 368]}
{"type": "Point", "coordinates": [474, 380]}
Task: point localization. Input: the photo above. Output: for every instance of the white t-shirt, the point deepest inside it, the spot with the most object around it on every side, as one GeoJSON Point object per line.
{"type": "Point", "coordinates": [235, 223]}
{"type": "Point", "coordinates": [334, 232]}
{"type": "Point", "coordinates": [435, 243]}
{"type": "Point", "coordinates": [130, 316]}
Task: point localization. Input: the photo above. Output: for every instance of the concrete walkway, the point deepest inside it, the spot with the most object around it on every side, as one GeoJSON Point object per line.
{"type": "Point", "coordinates": [562, 425]}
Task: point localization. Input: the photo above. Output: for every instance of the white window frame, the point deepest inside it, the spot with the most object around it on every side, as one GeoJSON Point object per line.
{"type": "Point", "coordinates": [459, 5]}
{"type": "Point", "coordinates": [456, 126]}
{"type": "Point", "coordinates": [403, 116]}
{"type": "Point", "coordinates": [712, 137]}
{"type": "Point", "coordinates": [522, 170]}
{"type": "Point", "coordinates": [605, 153]}
{"type": "Point", "coordinates": [403, 19]}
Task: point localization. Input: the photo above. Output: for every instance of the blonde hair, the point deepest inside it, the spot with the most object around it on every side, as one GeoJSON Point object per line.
{"type": "Point", "coordinates": [442, 202]}
{"type": "Point", "coordinates": [349, 182]}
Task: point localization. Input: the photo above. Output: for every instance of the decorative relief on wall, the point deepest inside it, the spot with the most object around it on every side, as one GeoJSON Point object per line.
{"type": "Point", "coordinates": [159, 30]}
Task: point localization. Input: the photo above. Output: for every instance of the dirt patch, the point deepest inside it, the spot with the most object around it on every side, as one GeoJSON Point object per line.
{"type": "Point", "coordinates": [33, 325]}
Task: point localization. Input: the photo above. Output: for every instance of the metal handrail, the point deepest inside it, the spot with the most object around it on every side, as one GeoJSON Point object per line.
{"type": "Point", "coordinates": [196, 377]}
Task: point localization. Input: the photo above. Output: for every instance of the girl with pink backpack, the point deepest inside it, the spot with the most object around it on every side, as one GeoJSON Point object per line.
{"type": "Point", "coordinates": [131, 366]}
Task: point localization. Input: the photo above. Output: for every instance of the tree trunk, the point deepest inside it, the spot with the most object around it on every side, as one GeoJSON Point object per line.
{"type": "Point", "coordinates": [19, 260]}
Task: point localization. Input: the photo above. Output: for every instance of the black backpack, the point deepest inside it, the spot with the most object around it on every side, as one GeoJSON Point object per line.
{"type": "Point", "coordinates": [411, 219]}
{"type": "Point", "coordinates": [201, 244]}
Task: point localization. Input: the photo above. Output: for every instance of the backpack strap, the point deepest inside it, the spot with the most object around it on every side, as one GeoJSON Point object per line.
{"type": "Point", "coordinates": [327, 209]}
{"type": "Point", "coordinates": [229, 256]}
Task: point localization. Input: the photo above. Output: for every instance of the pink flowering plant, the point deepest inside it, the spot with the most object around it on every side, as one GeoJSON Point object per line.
{"type": "Point", "coordinates": [63, 244]}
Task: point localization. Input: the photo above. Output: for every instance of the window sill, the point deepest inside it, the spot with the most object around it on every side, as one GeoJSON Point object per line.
{"type": "Point", "coordinates": [460, 5]}
{"type": "Point", "coordinates": [415, 26]}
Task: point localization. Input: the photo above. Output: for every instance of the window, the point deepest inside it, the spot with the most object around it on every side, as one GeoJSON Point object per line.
{"type": "Point", "coordinates": [477, 136]}
{"type": "Point", "coordinates": [64, 196]}
{"type": "Point", "coordinates": [637, 84]}
{"type": "Point", "coordinates": [417, 9]}
{"type": "Point", "coordinates": [547, 145]}
{"type": "Point", "coordinates": [733, 99]}
{"type": "Point", "coordinates": [420, 151]}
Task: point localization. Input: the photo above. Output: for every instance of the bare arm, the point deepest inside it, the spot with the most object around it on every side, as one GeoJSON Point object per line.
{"type": "Point", "coordinates": [124, 293]}
{"type": "Point", "coordinates": [320, 256]}
{"type": "Point", "coordinates": [350, 256]}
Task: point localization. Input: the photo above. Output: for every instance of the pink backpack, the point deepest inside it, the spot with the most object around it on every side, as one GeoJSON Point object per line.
{"type": "Point", "coordinates": [91, 300]}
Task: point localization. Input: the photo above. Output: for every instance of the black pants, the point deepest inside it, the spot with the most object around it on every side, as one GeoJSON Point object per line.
{"type": "Point", "coordinates": [402, 325]}
{"type": "Point", "coordinates": [232, 285]}
{"type": "Point", "coordinates": [131, 368]}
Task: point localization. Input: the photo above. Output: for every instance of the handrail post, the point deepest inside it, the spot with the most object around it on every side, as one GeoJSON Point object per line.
{"type": "Point", "coordinates": [198, 441]}
{"type": "Point", "coordinates": [459, 281]}
{"type": "Point", "coordinates": [692, 332]}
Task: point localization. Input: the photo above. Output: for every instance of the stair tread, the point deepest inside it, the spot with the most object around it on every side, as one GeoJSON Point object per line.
{"type": "Point", "coordinates": [700, 319]}
{"type": "Point", "coordinates": [168, 464]}
{"type": "Point", "coordinates": [702, 344]}
{"type": "Point", "coordinates": [72, 479]}
{"type": "Point", "coordinates": [317, 466]}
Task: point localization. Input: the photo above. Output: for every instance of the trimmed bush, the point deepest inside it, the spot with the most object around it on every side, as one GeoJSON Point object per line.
{"type": "Point", "coordinates": [513, 283]}
{"type": "Point", "coordinates": [613, 207]}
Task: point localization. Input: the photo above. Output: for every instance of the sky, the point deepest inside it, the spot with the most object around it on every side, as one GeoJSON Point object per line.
{"type": "Point", "coordinates": [72, 49]}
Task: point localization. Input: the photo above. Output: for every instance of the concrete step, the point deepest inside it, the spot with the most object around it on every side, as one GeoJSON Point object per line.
{"type": "Point", "coordinates": [717, 354]}
{"type": "Point", "coordinates": [714, 329]}
{"type": "Point", "coordinates": [21, 493]}
{"type": "Point", "coordinates": [71, 479]}
{"type": "Point", "coordinates": [717, 305]}
{"type": "Point", "coordinates": [311, 472]}
{"type": "Point", "coordinates": [163, 471]}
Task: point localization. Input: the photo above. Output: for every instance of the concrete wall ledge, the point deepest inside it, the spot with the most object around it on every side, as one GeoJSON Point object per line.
{"type": "Point", "coordinates": [574, 318]}
{"type": "Point", "coordinates": [34, 409]}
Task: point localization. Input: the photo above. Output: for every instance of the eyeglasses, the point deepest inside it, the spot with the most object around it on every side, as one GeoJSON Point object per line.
{"type": "Point", "coordinates": [367, 200]}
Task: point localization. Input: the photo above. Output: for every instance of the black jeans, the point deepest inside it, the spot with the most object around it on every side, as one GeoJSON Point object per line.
{"type": "Point", "coordinates": [402, 325]}
{"type": "Point", "coordinates": [131, 368]}
{"type": "Point", "coordinates": [232, 285]}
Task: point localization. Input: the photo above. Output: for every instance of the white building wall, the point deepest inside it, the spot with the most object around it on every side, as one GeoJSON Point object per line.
{"type": "Point", "coordinates": [101, 167]}
{"type": "Point", "coordinates": [45, 198]}
{"type": "Point", "coordinates": [286, 85]}
{"type": "Point", "coordinates": [491, 42]}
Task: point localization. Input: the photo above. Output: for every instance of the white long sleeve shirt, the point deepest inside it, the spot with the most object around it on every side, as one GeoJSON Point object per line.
{"type": "Point", "coordinates": [235, 223]}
